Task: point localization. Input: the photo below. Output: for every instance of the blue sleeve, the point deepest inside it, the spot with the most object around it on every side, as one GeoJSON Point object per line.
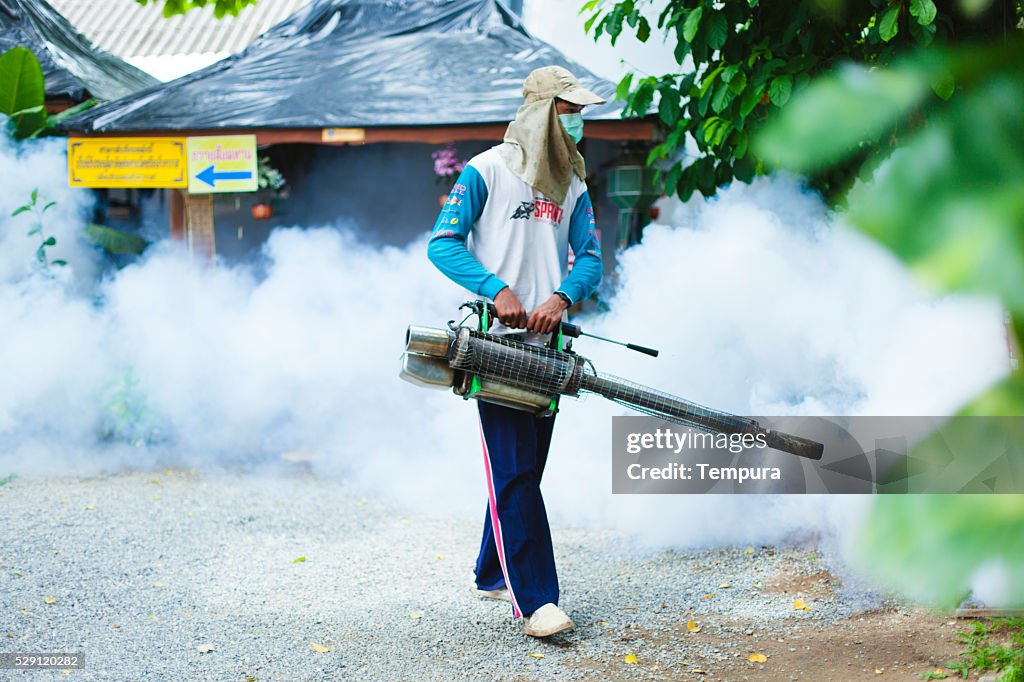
{"type": "Point", "coordinates": [447, 247]}
{"type": "Point", "coordinates": [586, 268]}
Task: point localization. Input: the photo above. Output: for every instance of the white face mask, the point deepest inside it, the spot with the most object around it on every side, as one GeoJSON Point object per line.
{"type": "Point", "coordinates": [573, 124]}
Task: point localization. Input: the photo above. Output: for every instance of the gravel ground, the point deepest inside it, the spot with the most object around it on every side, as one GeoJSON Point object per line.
{"type": "Point", "coordinates": [146, 570]}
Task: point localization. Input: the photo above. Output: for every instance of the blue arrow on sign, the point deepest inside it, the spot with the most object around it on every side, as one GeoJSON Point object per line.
{"type": "Point", "coordinates": [211, 176]}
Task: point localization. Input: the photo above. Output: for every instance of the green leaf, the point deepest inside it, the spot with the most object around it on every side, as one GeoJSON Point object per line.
{"type": "Point", "coordinates": [717, 30]}
{"type": "Point", "coordinates": [49, 205]}
{"type": "Point", "coordinates": [50, 241]}
{"type": "Point", "coordinates": [115, 241]}
{"type": "Point", "coordinates": [750, 100]}
{"type": "Point", "coordinates": [828, 120]}
{"type": "Point", "coordinates": [672, 179]}
{"type": "Point", "coordinates": [22, 93]}
{"type": "Point", "coordinates": [924, 10]}
{"type": "Point", "coordinates": [722, 98]}
{"type": "Point", "coordinates": [59, 261]}
{"type": "Point", "coordinates": [738, 83]}
{"type": "Point", "coordinates": [889, 26]}
{"type": "Point", "coordinates": [929, 547]}
{"type": "Point", "coordinates": [692, 23]}
{"type": "Point", "coordinates": [780, 90]}
{"type": "Point", "coordinates": [590, 22]}
{"type": "Point", "coordinates": [20, 210]}
{"type": "Point", "coordinates": [622, 90]}
{"type": "Point", "coordinates": [710, 125]}
{"type": "Point", "coordinates": [668, 107]}
{"type": "Point", "coordinates": [589, 5]}
{"type": "Point", "coordinates": [943, 85]}
{"type": "Point", "coordinates": [643, 32]}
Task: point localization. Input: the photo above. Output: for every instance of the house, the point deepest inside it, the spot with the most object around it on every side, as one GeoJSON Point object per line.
{"type": "Point", "coordinates": [348, 99]}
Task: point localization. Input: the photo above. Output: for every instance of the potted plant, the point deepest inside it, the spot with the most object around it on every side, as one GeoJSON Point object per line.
{"type": "Point", "coordinates": [270, 181]}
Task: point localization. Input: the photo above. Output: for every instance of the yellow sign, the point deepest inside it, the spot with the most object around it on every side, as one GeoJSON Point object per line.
{"type": "Point", "coordinates": [126, 162]}
{"type": "Point", "coordinates": [342, 135]}
{"type": "Point", "coordinates": [226, 163]}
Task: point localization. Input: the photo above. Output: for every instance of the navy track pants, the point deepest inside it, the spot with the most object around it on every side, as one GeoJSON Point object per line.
{"type": "Point", "coordinates": [516, 547]}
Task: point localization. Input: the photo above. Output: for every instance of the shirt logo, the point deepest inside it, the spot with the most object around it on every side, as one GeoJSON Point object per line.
{"type": "Point", "coordinates": [524, 211]}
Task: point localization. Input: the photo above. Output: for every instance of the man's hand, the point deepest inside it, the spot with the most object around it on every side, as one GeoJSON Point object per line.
{"type": "Point", "coordinates": [510, 311]}
{"type": "Point", "coordinates": [548, 315]}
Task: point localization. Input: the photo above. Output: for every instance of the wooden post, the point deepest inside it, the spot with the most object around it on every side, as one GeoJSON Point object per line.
{"type": "Point", "coordinates": [199, 226]}
{"type": "Point", "coordinates": [177, 205]}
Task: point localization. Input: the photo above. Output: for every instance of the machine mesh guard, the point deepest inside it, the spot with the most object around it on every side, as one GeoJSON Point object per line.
{"type": "Point", "coordinates": [519, 364]}
{"type": "Point", "coordinates": [664, 405]}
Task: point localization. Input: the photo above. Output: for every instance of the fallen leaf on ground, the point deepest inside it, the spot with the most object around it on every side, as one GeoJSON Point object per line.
{"type": "Point", "coordinates": [90, 507]}
{"type": "Point", "coordinates": [251, 679]}
{"type": "Point", "coordinates": [440, 557]}
{"type": "Point", "coordinates": [154, 480]}
{"type": "Point", "coordinates": [405, 522]}
{"type": "Point", "coordinates": [319, 648]}
{"type": "Point", "coordinates": [535, 655]}
{"type": "Point", "coordinates": [415, 615]}
{"type": "Point", "coordinates": [204, 648]}
{"type": "Point", "coordinates": [691, 626]}
{"type": "Point", "coordinates": [631, 659]}
{"type": "Point", "coordinates": [299, 560]}
{"type": "Point", "coordinates": [748, 550]}
{"type": "Point", "coordinates": [800, 605]}
{"type": "Point", "coordinates": [50, 600]}
{"type": "Point", "coordinates": [879, 671]}
{"type": "Point", "coordinates": [757, 658]}
{"type": "Point", "coordinates": [724, 586]}
{"type": "Point", "coordinates": [708, 596]}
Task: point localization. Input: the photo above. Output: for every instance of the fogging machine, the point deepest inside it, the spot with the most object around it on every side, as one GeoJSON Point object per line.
{"type": "Point", "coordinates": [490, 367]}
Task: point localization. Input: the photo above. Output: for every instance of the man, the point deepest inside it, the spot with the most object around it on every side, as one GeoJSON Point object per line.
{"type": "Point", "coordinates": [504, 235]}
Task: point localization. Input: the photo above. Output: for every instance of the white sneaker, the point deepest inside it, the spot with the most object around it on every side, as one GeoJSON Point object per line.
{"type": "Point", "coordinates": [500, 594]}
{"type": "Point", "coordinates": [545, 621]}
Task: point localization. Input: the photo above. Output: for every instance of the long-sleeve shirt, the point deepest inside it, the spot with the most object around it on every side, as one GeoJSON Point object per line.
{"type": "Point", "coordinates": [496, 231]}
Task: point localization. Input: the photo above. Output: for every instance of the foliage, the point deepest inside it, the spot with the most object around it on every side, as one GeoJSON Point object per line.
{"type": "Point", "coordinates": [114, 241]}
{"type": "Point", "coordinates": [221, 8]}
{"type": "Point", "coordinates": [37, 209]}
{"type": "Point", "coordinates": [983, 653]}
{"type": "Point", "coordinates": [127, 416]}
{"type": "Point", "coordinates": [4, 480]}
{"type": "Point", "coordinates": [268, 177]}
{"type": "Point", "coordinates": [740, 61]}
{"type": "Point", "coordinates": [946, 200]}
{"type": "Point", "coordinates": [23, 95]}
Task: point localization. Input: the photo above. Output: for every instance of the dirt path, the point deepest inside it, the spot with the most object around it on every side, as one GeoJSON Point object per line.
{"type": "Point", "coordinates": [165, 575]}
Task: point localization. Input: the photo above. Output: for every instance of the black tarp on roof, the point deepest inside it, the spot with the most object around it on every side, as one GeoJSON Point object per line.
{"type": "Point", "coordinates": [358, 63]}
{"type": "Point", "coordinates": [73, 67]}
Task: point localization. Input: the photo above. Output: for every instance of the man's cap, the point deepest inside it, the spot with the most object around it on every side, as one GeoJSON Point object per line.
{"type": "Point", "coordinates": [553, 81]}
